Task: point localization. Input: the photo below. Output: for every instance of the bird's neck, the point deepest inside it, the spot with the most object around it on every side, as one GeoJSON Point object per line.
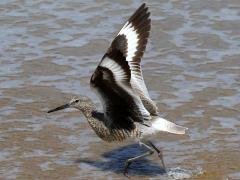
{"type": "Point", "coordinates": [88, 109]}
{"type": "Point", "coordinates": [96, 120]}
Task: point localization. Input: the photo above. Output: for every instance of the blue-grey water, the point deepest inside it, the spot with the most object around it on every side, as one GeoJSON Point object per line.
{"type": "Point", "coordinates": [48, 51]}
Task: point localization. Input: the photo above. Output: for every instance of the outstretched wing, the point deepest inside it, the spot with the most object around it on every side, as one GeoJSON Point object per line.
{"type": "Point", "coordinates": [121, 107]}
{"type": "Point", "coordinates": [118, 77]}
{"type": "Point", "coordinates": [131, 42]}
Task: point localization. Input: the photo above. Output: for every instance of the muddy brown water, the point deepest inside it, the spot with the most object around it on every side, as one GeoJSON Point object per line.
{"type": "Point", "coordinates": [48, 51]}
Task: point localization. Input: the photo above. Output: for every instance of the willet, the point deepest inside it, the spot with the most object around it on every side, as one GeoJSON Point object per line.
{"type": "Point", "coordinates": [128, 111]}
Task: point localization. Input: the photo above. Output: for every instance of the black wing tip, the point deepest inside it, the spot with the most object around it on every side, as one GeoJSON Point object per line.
{"type": "Point", "coordinates": [140, 17]}
{"type": "Point", "coordinates": [142, 9]}
{"type": "Point", "coordinates": [143, 5]}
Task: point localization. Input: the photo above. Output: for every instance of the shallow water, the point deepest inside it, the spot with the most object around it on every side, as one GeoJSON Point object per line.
{"type": "Point", "coordinates": [48, 51]}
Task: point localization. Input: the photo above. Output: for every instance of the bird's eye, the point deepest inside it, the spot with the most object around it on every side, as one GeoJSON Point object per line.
{"type": "Point", "coordinates": [77, 100]}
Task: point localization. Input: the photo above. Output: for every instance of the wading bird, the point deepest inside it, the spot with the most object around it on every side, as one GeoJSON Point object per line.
{"type": "Point", "coordinates": [128, 111]}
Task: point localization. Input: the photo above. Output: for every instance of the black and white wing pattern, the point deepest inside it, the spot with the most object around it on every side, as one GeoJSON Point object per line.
{"type": "Point", "coordinates": [136, 32]}
{"type": "Point", "coordinates": [118, 77]}
{"type": "Point", "coordinates": [121, 107]}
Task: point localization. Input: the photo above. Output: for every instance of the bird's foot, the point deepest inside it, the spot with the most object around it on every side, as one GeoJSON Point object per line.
{"type": "Point", "coordinates": [125, 172]}
{"type": "Point", "coordinates": [160, 155]}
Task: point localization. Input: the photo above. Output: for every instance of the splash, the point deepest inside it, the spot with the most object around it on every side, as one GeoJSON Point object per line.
{"type": "Point", "coordinates": [179, 173]}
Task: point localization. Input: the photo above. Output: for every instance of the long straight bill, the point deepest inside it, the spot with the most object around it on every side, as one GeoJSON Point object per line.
{"type": "Point", "coordinates": [59, 108]}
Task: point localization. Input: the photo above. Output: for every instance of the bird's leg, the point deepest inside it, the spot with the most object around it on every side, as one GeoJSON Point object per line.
{"type": "Point", "coordinates": [129, 161]}
{"type": "Point", "coordinates": [160, 154]}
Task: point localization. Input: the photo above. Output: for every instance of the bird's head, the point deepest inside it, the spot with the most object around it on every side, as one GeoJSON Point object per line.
{"type": "Point", "coordinates": [82, 103]}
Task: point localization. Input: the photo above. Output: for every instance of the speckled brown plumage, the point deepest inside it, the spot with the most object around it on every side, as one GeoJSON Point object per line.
{"type": "Point", "coordinates": [97, 122]}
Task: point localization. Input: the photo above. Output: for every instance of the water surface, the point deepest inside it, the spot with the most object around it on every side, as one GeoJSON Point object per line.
{"type": "Point", "coordinates": [48, 51]}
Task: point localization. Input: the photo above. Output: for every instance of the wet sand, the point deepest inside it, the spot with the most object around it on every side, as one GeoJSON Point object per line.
{"type": "Point", "coordinates": [48, 51]}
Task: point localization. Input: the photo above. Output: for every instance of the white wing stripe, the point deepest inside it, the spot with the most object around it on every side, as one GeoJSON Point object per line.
{"type": "Point", "coordinates": [120, 75]}
{"type": "Point", "coordinates": [116, 69]}
{"type": "Point", "coordinates": [132, 40]}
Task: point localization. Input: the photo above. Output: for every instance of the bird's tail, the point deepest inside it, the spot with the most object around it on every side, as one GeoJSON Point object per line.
{"type": "Point", "coordinates": [167, 126]}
